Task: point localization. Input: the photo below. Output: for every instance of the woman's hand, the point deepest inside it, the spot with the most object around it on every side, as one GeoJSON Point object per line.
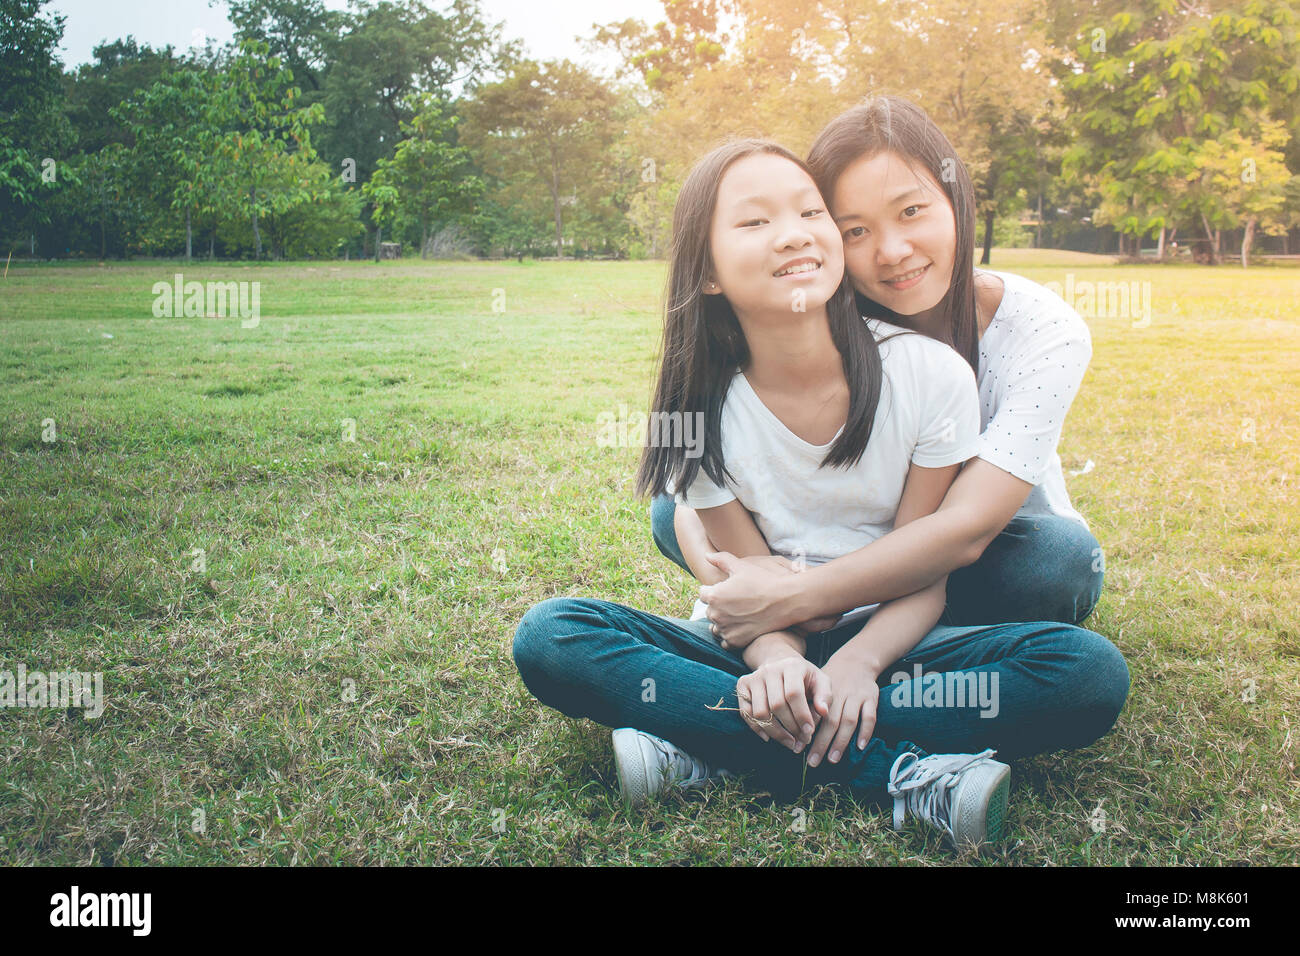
{"type": "Point", "coordinates": [774, 700]}
{"type": "Point", "coordinates": [748, 602]}
{"type": "Point", "coordinates": [854, 697]}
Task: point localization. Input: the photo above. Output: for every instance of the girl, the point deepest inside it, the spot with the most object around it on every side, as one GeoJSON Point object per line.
{"type": "Point", "coordinates": [826, 438]}
{"type": "Point", "coordinates": [1013, 546]}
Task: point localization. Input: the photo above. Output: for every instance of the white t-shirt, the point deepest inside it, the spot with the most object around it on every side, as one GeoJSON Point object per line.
{"type": "Point", "coordinates": [928, 415]}
{"type": "Point", "coordinates": [1032, 359]}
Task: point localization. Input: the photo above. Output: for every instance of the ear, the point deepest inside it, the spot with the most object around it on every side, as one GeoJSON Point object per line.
{"type": "Point", "coordinates": [711, 286]}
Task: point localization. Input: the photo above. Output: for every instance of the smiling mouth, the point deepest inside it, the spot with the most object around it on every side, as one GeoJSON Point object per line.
{"type": "Point", "coordinates": [798, 268]}
{"type": "Point", "coordinates": [906, 277]}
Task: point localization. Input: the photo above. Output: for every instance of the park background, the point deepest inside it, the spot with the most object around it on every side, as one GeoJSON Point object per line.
{"type": "Point", "coordinates": [297, 547]}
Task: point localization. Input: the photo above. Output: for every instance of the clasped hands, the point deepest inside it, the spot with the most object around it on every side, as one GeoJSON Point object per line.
{"type": "Point", "coordinates": [787, 698]}
{"type": "Point", "coordinates": [775, 702]}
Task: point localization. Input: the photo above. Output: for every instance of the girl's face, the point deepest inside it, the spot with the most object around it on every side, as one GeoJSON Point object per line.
{"type": "Point", "coordinates": [900, 234]}
{"type": "Point", "coordinates": [774, 245]}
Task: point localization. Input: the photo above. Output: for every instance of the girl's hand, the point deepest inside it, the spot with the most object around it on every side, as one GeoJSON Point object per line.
{"type": "Point", "coordinates": [854, 696]}
{"type": "Point", "coordinates": [774, 700]}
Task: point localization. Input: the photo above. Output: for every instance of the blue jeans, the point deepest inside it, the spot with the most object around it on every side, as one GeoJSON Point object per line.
{"type": "Point", "coordinates": [1044, 568]}
{"type": "Point", "coordinates": [1052, 686]}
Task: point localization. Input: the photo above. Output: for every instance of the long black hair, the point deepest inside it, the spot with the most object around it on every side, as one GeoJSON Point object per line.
{"type": "Point", "coordinates": [897, 125]}
{"type": "Point", "coordinates": [704, 345]}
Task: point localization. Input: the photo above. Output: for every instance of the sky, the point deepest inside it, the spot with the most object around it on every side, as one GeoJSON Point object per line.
{"type": "Point", "coordinates": [547, 28]}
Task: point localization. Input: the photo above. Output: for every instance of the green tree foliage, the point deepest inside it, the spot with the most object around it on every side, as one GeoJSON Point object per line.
{"type": "Point", "coordinates": [263, 167]}
{"type": "Point", "coordinates": [429, 181]}
{"type": "Point", "coordinates": [176, 124]}
{"type": "Point", "coordinates": [544, 129]}
{"type": "Point", "coordinates": [1152, 82]}
{"type": "Point", "coordinates": [34, 134]}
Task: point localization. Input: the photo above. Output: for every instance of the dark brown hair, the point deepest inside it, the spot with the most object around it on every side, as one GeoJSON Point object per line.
{"type": "Point", "coordinates": [897, 125]}
{"type": "Point", "coordinates": [704, 345]}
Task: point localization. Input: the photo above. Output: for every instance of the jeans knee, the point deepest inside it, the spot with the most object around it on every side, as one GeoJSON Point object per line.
{"type": "Point", "coordinates": [534, 642]}
{"type": "Point", "coordinates": [1103, 683]}
{"type": "Point", "coordinates": [1075, 578]}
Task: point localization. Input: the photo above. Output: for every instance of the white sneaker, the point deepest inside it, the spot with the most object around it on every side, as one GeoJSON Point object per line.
{"type": "Point", "coordinates": [963, 795]}
{"type": "Point", "coordinates": [647, 764]}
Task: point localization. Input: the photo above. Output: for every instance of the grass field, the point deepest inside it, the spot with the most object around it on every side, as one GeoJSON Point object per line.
{"type": "Point", "coordinates": [305, 640]}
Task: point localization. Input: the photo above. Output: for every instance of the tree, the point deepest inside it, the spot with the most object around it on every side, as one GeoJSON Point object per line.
{"type": "Point", "coordinates": [1149, 82]}
{"type": "Point", "coordinates": [263, 166]}
{"type": "Point", "coordinates": [295, 31]}
{"type": "Point", "coordinates": [544, 127]}
{"type": "Point", "coordinates": [1245, 183]}
{"type": "Point", "coordinates": [34, 133]}
{"type": "Point", "coordinates": [119, 71]}
{"type": "Point", "coordinates": [428, 180]}
{"type": "Point", "coordinates": [176, 124]}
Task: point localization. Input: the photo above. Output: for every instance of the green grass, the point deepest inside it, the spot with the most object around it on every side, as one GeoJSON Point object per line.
{"type": "Point", "coordinates": [393, 570]}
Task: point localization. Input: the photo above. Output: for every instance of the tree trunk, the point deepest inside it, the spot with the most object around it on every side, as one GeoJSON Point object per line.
{"type": "Point", "coordinates": [257, 232]}
{"type": "Point", "coordinates": [212, 243]}
{"type": "Point", "coordinates": [1211, 236]}
{"type": "Point", "coordinates": [988, 235]}
{"type": "Point", "coordinates": [1247, 240]}
{"type": "Point", "coordinates": [1038, 233]}
{"type": "Point", "coordinates": [424, 240]}
{"type": "Point", "coordinates": [1160, 245]}
{"type": "Point", "coordinates": [189, 237]}
{"type": "Point", "coordinates": [555, 201]}
{"type": "Point", "coordinates": [379, 237]}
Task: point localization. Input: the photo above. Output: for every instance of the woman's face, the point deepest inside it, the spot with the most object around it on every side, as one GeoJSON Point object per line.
{"type": "Point", "coordinates": [899, 231]}
{"type": "Point", "coordinates": [775, 246]}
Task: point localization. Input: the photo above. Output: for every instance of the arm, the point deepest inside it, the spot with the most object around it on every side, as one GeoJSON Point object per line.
{"type": "Point", "coordinates": [888, 634]}
{"type": "Point", "coordinates": [897, 626]}
{"type": "Point", "coordinates": [912, 557]}
{"type": "Point", "coordinates": [730, 526]}
{"type": "Point", "coordinates": [920, 550]}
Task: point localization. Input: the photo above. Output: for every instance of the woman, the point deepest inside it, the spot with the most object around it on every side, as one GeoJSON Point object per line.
{"type": "Point", "coordinates": [1007, 536]}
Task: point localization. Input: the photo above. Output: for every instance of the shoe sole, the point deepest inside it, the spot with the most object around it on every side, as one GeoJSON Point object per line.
{"type": "Point", "coordinates": [981, 804]}
{"type": "Point", "coordinates": [632, 767]}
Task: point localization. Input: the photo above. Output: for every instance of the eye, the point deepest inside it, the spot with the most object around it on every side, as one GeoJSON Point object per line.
{"type": "Point", "coordinates": [915, 214]}
{"type": "Point", "coordinates": [813, 212]}
{"type": "Point", "coordinates": [857, 232]}
{"type": "Point", "coordinates": [752, 222]}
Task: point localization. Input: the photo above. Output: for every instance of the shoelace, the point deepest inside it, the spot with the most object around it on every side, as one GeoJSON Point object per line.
{"type": "Point", "coordinates": [924, 786]}
{"type": "Point", "coordinates": [677, 759]}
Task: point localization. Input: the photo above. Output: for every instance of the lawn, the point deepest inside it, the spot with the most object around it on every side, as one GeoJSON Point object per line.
{"type": "Point", "coordinates": [297, 552]}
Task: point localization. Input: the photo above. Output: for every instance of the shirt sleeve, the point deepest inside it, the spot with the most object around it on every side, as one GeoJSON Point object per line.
{"type": "Point", "coordinates": [1041, 380]}
{"type": "Point", "coordinates": [950, 424]}
{"type": "Point", "coordinates": [702, 493]}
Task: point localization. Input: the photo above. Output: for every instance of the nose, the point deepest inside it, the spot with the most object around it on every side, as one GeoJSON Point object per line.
{"type": "Point", "coordinates": [892, 248]}
{"type": "Point", "coordinates": [794, 234]}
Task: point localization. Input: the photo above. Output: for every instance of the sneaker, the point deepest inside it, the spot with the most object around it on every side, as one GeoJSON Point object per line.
{"type": "Point", "coordinates": [964, 795]}
{"type": "Point", "coordinates": [647, 764]}
{"type": "Point", "coordinates": [700, 612]}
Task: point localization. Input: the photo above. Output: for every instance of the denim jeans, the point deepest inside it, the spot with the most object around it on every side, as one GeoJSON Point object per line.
{"type": "Point", "coordinates": [1045, 568]}
{"type": "Point", "coordinates": [1051, 685]}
